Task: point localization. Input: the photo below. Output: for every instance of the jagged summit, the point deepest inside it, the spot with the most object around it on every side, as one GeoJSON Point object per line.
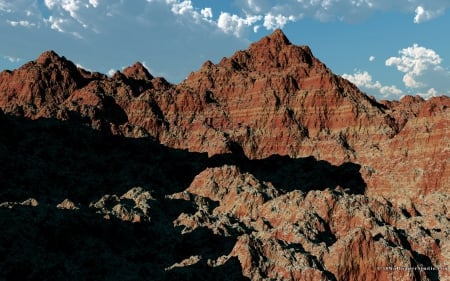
{"type": "Point", "coordinates": [272, 52]}
{"type": "Point", "coordinates": [138, 72]}
{"type": "Point", "coordinates": [51, 57]}
{"type": "Point", "coordinates": [277, 38]}
{"type": "Point", "coordinates": [47, 56]}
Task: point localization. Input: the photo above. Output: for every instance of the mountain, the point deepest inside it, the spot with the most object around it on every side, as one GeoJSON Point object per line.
{"type": "Point", "coordinates": [265, 166]}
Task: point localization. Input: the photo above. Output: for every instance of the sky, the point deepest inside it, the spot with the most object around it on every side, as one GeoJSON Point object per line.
{"type": "Point", "coordinates": [388, 48]}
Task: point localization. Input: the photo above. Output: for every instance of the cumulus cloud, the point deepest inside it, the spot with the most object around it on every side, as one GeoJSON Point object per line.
{"type": "Point", "coordinates": [94, 3]}
{"type": "Point", "coordinates": [422, 68]}
{"type": "Point", "coordinates": [182, 7]}
{"type": "Point", "coordinates": [371, 58]}
{"type": "Point", "coordinates": [207, 13]}
{"type": "Point", "coordinates": [423, 74]}
{"type": "Point", "coordinates": [186, 8]}
{"type": "Point", "coordinates": [235, 24]}
{"type": "Point", "coordinates": [345, 10]}
{"type": "Point", "coordinates": [364, 80]}
{"type": "Point", "coordinates": [273, 22]}
{"type": "Point", "coordinates": [252, 14]}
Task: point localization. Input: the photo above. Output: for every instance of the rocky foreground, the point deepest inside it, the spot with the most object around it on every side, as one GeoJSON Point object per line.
{"type": "Point", "coordinates": [265, 166]}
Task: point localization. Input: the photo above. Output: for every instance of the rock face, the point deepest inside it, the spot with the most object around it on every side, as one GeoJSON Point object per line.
{"type": "Point", "coordinates": [264, 166]}
{"type": "Point", "coordinates": [319, 235]}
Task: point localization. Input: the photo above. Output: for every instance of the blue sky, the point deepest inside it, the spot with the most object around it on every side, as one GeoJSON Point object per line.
{"type": "Point", "coordinates": [387, 48]}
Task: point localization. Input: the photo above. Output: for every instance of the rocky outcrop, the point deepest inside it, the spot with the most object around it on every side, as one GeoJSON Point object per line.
{"type": "Point", "coordinates": [133, 206]}
{"type": "Point", "coordinates": [319, 235]}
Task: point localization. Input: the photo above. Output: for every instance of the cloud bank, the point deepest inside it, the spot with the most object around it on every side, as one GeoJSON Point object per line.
{"type": "Point", "coordinates": [423, 74]}
{"type": "Point", "coordinates": [423, 70]}
{"type": "Point", "coordinates": [364, 80]}
{"type": "Point", "coordinates": [249, 15]}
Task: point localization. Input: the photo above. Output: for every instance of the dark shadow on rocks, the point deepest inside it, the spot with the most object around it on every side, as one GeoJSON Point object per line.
{"type": "Point", "coordinates": [203, 242]}
{"type": "Point", "coordinates": [45, 243]}
{"type": "Point", "coordinates": [200, 271]}
{"type": "Point", "coordinates": [297, 174]}
{"type": "Point", "coordinates": [50, 160]}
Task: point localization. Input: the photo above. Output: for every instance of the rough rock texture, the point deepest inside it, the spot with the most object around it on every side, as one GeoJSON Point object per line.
{"type": "Point", "coordinates": [133, 206]}
{"type": "Point", "coordinates": [264, 166]}
{"type": "Point", "coordinates": [319, 235]}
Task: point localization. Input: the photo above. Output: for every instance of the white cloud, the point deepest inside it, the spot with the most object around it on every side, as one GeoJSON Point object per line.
{"type": "Point", "coordinates": [207, 13]}
{"type": "Point", "coordinates": [235, 24]}
{"type": "Point", "coordinates": [423, 72]}
{"type": "Point", "coordinates": [12, 59]}
{"type": "Point", "coordinates": [56, 23]}
{"type": "Point", "coordinates": [429, 93]}
{"type": "Point", "coordinates": [5, 7]}
{"type": "Point", "coordinates": [364, 80]}
{"type": "Point", "coordinates": [252, 14]}
{"type": "Point", "coordinates": [255, 6]}
{"type": "Point", "coordinates": [70, 6]}
{"type": "Point", "coordinates": [423, 15]}
{"type": "Point", "coordinates": [273, 22]}
{"type": "Point", "coordinates": [422, 69]}
{"type": "Point", "coordinates": [23, 23]}
{"type": "Point", "coordinates": [73, 12]}
{"type": "Point", "coordinates": [182, 8]}
{"type": "Point", "coordinates": [94, 3]}
{"type": "Point", "coordinates": [371, 58]}
{"type": "Point", "coordinates": [345, 10]}
{"type": "Point", "coordinates": [111, 72]}
{"type": "Point", "coordinates": [187, 9]}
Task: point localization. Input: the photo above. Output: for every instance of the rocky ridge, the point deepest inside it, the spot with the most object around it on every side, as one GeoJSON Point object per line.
{"type": "Point", "coordinates": [273, 98]}
{"type": "Point", "coordinates": [264, 166]}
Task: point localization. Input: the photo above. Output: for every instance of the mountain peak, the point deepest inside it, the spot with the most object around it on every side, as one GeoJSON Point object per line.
{"type": "Point", "coordinates": [279, 37]}
{"type": "Point", "coordinates": [48, 57]}
{"type": "Point", "coordinates": [137, 71]}
{"type": "Point", "coordinates": [274, 51]}
{"type": "Point", "coordinates": [275, 41]}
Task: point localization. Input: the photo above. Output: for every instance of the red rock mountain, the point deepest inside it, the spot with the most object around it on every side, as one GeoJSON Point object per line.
{"type": "Point", "coordinates": [274, 98]}
{"type": "Point", "coordinates": [290, 171]}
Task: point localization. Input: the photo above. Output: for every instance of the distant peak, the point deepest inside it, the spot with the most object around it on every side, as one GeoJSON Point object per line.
{"type": "Point", "coordinates": [47, 57]}
{"type": "Point", "coordinates": [273, 42]}
{"type": "Point", "coordinates": [278, 36]}
{"type": "Point", "coordinates": [137, 71]}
